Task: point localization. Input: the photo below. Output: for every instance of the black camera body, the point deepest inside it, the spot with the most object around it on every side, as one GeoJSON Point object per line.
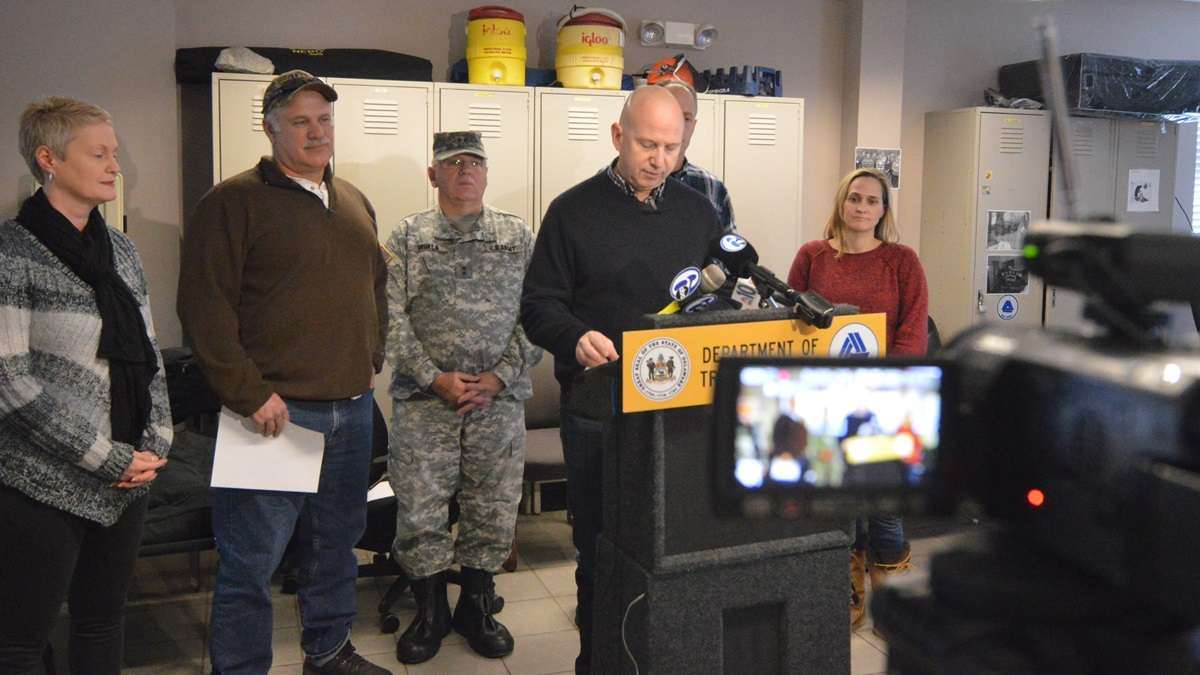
{"type": "Point", "coordinates": [1087, 448]}
{"type": "Point", "coordinates": [1084, 446]}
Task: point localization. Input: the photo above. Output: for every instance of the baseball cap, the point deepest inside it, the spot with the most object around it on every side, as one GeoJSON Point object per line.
{"type": "Point", "coordinates": [447, 144]}
{"type": "Point", "coordinates": [285, 86]}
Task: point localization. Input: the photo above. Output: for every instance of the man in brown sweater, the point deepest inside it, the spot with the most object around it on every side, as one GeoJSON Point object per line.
{"type": "Point", "coordinates": [282, 290]}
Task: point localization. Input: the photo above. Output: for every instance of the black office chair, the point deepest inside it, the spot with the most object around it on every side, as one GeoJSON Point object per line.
{"type": "Point", "coordinates": [935, 339]}
{"type": "Point", "coordinates": [544, 461]}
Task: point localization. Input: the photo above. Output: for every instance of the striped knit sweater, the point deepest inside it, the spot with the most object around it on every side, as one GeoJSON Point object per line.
{"type": "Point", "coordinates": [55, 443]}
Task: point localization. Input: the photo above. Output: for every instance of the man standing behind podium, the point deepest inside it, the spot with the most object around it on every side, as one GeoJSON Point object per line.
{"type": "Point", "coordinates": [689, 174]}
{"type": "Point", "coordinates": [605, 255]}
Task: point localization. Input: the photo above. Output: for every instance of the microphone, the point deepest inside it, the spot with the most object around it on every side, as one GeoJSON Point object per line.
{"type": "Point", "coordinates": [688, 282]}
{"type": "Point", "coordinates": [707, 302]}
{"type": "Point", "coordinates": [740, 258]}
{"type": "Point", "coordinates": [712, 277]}
{"type": "Point", "coordinates": [712, 295]}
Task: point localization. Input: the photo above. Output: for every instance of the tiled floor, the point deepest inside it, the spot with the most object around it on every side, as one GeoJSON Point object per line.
{"type": "Point", "coordinates": [167, 624]}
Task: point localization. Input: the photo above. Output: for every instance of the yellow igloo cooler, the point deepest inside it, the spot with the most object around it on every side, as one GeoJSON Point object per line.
{"type": "Point", "coordinates": [495, 46]}
{"type": "Point", "coordinates": [591, 49]}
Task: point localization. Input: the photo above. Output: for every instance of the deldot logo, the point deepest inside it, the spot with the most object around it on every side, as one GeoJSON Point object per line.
{"type": "Point", "coordinates": [661, 369]}
{"type": "Point", "coordinates": [732, 243]}
{"type": "Point", "coordinates": [685, 283]}
{"type": "Point", "coordinates": [854, 339]}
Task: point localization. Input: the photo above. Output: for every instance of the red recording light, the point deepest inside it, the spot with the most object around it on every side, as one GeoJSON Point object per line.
{"type": "Point", "coordinates": [1035, 497]}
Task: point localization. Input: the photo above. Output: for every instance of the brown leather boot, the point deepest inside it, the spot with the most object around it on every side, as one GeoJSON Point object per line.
{"type": "Point", "coordinates": [858, 587]}
{"type": "Point", "coordinates": [881, 571]}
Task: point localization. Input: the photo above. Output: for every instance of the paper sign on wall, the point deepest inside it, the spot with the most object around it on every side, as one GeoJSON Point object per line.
{"type": "Point", "coordinates": [1143, 191]}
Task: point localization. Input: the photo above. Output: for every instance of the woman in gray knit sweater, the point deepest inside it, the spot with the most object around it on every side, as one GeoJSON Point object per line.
{"type": "Point", "coordinates": [84, 420]}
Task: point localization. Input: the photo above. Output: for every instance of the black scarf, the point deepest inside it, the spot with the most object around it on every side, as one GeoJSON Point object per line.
{"type": "Point", "coordinates": [123, 338]}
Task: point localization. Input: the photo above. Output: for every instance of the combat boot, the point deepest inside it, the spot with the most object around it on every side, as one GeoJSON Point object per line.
{"type": "Point", "coordinates": [473, 616]}
{"type": "Point", "coordinates": [858, 587]}
{"type": "Point", "coordinates": [423, 638]}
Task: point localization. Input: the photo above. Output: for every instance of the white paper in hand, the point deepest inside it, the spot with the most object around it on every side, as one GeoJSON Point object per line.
{"type": "Point", "coordinates": [381, 490]}
{"type": "Point", "coordinates": [245, 459]}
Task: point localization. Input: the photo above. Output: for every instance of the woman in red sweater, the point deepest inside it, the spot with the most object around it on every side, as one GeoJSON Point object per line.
{"type": "Point", "coordinates": [860, 261]}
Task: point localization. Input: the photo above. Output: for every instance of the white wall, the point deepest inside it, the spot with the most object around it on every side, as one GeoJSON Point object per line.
{"type": "Point", "coordinates": [117, 55]}
{"type": "Point", "coordinates": [956, 47]}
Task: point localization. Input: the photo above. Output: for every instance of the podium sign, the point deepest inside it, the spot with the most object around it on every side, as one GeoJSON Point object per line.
{"type": "Point", "coordinates": [677, 367]}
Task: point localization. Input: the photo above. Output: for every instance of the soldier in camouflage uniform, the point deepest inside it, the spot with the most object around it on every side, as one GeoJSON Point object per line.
{"type": "Point", "coordinates": [461, 371]}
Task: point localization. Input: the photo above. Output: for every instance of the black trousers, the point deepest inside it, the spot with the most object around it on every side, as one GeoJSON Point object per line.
{"type": "Point", "coordinates": [49, 556]}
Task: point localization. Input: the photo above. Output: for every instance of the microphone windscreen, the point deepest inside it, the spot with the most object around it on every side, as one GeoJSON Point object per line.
{"type": "Point", "coordinates": [712, 277]}
{"type": "Point", "coordinates": [733, 252]}
{"type": "Point", "coordinates": [685, 284]}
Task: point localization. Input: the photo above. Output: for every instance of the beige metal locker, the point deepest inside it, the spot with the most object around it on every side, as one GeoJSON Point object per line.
{"type": "Point", "coordinates": [504, 117]}
{"type": "Point", "coordinates": [383, 144]}
{"type": "Point", "coordinates": [1093, 152]}
{"type": "Point", "coordinates": [705, 149]}
{"type": "Point", "coordinates": [986, 173]}
{"type": "Point", "coordinates": [1113, 157]}
{"type": "Point", "coordinates": [1162, 153]}
{"type": "Point", "coordinates": [238, 137]}
{"type": "Point", "coordinates": [574, 139]}
{"type": "Point", "coordinates": [763, 148]}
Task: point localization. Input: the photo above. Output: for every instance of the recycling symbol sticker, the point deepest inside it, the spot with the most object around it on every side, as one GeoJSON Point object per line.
{"type": "Point", "coordinates": [1007, 307]}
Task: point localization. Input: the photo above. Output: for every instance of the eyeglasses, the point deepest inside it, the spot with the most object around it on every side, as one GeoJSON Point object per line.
{"type": "Point", "coordinates": [463, 164]}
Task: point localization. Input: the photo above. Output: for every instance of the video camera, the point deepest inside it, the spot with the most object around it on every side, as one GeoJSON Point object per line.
{"type": "Point", "coordinates": [1086, 451]}
{"type": "Point", "coordinates": [1091, 447]}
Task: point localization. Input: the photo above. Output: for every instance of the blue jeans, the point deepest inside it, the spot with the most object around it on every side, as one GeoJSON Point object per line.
{"type": "Point", "coordinates": [253, 528]}
{"type": "Point", "coordinates": [583, 450]}
{"type": "Point", "coordinates": [882, 537]}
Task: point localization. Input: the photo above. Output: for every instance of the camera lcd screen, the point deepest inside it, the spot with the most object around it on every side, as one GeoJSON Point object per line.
{"type": "Point", "coordinates": [826, 427]}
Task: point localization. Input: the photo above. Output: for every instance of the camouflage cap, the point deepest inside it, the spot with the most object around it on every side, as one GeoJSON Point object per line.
{"type": "Point", "coordinates": [447, 144]}
{"type": "Point", "coordinates": [285, 86]}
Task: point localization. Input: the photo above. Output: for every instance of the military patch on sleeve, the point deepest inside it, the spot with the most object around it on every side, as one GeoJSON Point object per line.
{"type": "Point", "coordinates": [388, 256]}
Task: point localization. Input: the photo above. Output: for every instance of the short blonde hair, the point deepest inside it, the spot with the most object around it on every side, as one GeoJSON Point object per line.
{"type": "Point", "coordinates": [52, 122]}
{"type": "Point", "coordinates": [885, 229]}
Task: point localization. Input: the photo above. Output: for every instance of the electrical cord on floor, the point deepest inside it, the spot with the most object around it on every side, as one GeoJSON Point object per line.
{"type": "Point", "coordinates": [623, 641]}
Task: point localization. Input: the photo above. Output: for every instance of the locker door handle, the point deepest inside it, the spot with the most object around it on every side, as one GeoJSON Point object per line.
{"type": "Point", "coordinates": [979, 301]}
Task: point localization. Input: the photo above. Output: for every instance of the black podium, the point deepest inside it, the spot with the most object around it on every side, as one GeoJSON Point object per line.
{"type": "Point", "coordinates": [680, 589]}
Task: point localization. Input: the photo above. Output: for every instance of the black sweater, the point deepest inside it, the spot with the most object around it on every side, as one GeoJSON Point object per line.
{"type": "Point", "coordinates": [603, 259]}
